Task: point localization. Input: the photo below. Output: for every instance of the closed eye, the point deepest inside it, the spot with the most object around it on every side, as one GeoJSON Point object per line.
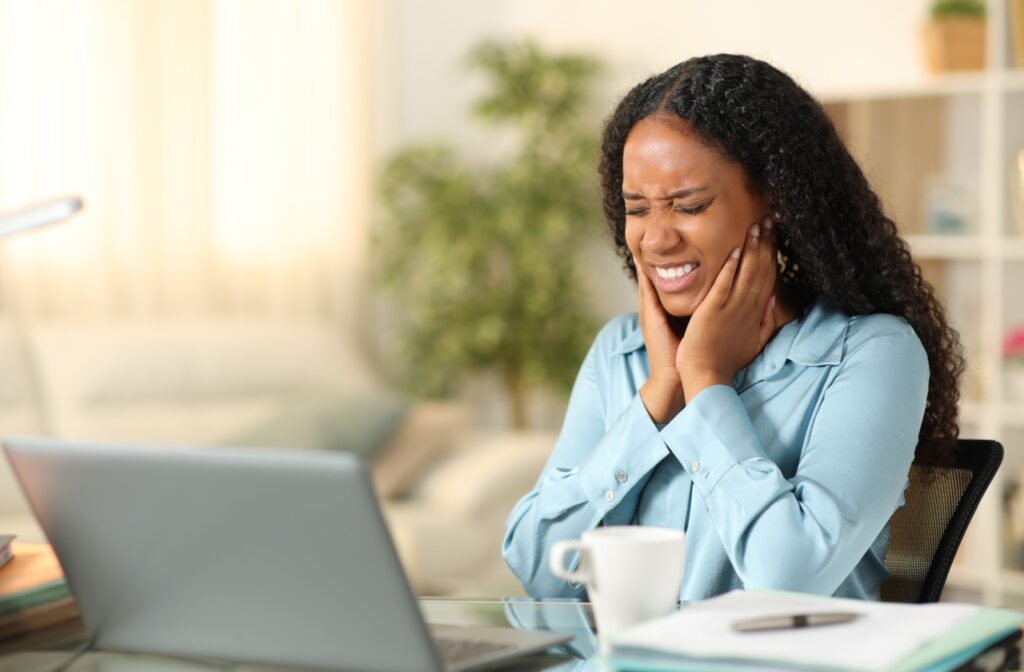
{"type": "Point", "coordinates": [693, 210]}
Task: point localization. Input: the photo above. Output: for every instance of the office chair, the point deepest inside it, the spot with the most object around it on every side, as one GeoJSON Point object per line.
{"type": "Point", "coordinates": [925, 534]}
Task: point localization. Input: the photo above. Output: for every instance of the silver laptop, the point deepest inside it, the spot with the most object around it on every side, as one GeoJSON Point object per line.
{"type": "Point", "coordinates": [245, 555]}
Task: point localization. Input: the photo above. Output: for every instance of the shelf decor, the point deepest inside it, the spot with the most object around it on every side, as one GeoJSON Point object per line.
{"type": "Point", "coordinates": [1013, 357]}
{"type": "Point", "coordinates": [954, 36]}
{"type": "Point", "coordinates": [1017, 29]}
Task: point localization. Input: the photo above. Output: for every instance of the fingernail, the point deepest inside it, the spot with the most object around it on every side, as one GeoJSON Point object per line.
{"type": "Point", "coordinates": [755, 230]}
{"type": "Point", "coordinates": [773, 304]}
{"type": "Point", "coordinates": [767, 223]}
{"type": "Point", "coordinates": [735, 253]}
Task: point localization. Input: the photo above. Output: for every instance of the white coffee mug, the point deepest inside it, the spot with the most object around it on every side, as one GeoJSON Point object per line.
{"type": "Point", "coordinates": [632, 573]}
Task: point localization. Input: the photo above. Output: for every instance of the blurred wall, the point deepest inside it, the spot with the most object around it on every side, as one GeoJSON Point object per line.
{"type": "Point", "coordinates": [825, 45]}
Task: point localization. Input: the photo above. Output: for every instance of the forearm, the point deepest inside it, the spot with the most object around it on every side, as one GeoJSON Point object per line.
{"type": "Point", "coordinates": [808, 532]}
{"type": "Point", "coordinates": [603, 487]}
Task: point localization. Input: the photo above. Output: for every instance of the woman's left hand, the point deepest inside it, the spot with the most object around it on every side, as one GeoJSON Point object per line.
{"type": "Point", "coordinates": [735, 320]}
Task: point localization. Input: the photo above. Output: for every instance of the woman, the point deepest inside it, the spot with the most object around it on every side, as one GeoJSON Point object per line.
{"type": "Point", "coordinates": [786, 360]}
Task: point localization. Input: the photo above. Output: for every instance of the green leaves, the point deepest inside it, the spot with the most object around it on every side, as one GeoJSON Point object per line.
{"type": "Point", "coordinates": [531, 88]}
{"type": "Point", "coordinates": [485, 258]}
{"type": "Point", "coordinates": [957, 8]}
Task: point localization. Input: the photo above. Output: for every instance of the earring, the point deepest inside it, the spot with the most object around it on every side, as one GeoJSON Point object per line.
{"type": "Point", "coordinates": [789, 269]}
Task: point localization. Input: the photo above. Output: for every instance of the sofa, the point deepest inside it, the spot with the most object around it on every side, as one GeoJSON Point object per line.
{"type": "Point", "coordinates": [446, 485]}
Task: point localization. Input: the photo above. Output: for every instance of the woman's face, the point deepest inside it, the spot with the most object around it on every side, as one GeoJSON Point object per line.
{"type": "Point", "coordinates": [687, 207]}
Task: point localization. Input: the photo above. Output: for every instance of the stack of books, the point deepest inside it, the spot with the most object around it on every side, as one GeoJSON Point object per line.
{"type": "Point", "coordinates": [34, 597]}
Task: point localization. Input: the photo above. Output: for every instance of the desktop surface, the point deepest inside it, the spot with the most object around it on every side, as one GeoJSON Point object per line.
{"type": "Point", "coordinates": [68, 649]}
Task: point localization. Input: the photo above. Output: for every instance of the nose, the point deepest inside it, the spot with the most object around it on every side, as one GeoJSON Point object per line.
{"type": "Point", "coordinates": [660, 235]}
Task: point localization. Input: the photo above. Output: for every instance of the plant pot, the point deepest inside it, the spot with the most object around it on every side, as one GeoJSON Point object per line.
{"type": "Point", "coordinates": [954, 44]}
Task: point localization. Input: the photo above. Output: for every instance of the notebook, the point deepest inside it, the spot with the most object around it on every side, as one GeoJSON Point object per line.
{"type": "Point", "coordinates": [246, 555]}
{"type": "Point", "coordinates": [884, 636]}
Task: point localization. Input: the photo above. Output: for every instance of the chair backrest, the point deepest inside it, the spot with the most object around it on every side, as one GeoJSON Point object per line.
{"type": "Point", "coordinates": [925, 534]}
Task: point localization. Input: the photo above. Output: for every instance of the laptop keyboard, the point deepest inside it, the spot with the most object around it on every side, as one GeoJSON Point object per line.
{"type": "Point", "coordinates": [456, 650]}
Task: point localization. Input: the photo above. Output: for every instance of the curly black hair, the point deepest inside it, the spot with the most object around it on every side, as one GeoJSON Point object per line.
{"type": "Point", "coordinates": [832, 224]}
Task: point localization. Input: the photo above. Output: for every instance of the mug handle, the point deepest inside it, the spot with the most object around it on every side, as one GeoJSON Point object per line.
{"type": "Point", "coordinates": [556, 560]}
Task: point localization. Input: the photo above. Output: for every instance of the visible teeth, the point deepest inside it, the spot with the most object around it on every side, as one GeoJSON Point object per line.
{"type": "Point", "coordinates": [676, 271]}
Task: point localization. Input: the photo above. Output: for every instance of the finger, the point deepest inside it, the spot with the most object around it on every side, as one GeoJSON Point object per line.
{"type": "Point", "coordinates": [747, 284]}
{"type": "Point", "coordinates": [720, 290]}
{"type": "Point", "coordinates": [767, 327]}
{"type": "Point", "coordinates": [650, 304]}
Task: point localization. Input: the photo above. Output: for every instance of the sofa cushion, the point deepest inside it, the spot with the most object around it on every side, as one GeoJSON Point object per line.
{"type": "Point", "coordinates": [345, 421]}
{"type": "Point", "coordinates": [487, 474]}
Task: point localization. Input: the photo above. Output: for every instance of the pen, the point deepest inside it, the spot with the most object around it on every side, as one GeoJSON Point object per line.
{"type": "Point", "coordinates": [789, 621]}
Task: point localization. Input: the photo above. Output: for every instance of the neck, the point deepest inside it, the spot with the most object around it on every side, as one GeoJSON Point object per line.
{"type": "Point", "coordinates": [787, 306]}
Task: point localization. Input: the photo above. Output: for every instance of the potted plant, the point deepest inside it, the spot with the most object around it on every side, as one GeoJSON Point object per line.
{"type": "Point", "coordinates": [486, 257]}
{"type": "Point", "coordinates": [954, 36]}
{"type": "Point", "coordinates": [1013, 356]}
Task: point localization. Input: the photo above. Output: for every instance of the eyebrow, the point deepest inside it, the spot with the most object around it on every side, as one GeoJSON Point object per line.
{"type": "Point", "coordinates": [679, 193]}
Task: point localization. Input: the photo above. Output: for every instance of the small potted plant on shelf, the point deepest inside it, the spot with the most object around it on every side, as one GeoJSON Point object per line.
{"type": "Point", "coordinates": [954, 36]}
{"type": "Point", "coordinates": [1013, 355]}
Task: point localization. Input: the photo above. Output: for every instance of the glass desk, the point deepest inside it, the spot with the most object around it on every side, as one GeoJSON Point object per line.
{"type": "Point", "coordinates": [67, 649]}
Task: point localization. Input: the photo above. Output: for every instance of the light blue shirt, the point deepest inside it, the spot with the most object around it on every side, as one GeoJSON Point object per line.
{"type": "Point", "coordinates": [785, 480]}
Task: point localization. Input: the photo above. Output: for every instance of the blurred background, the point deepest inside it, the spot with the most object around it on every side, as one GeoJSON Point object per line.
{"type": "Point", "coordinates": [374, 226]}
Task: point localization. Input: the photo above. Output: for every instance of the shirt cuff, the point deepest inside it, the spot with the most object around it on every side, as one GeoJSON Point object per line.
{"type": "Point", "coordinates": [629, 451]}
{"type": "Point", "coordinates": [711, 435]}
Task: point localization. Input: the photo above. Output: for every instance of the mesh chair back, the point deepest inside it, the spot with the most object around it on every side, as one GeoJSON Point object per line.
{"type": "Point", "coordinates": [925, 534]}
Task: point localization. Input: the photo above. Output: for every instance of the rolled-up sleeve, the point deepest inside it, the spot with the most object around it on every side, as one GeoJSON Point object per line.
{"type": "Point", "coordinates": [808, 532]}
{"type": "Point", "coordinates": [594, 476]}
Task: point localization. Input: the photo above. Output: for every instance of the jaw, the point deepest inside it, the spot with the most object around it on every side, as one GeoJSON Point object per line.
{"type": "Point", "coordinates": [681, 305]}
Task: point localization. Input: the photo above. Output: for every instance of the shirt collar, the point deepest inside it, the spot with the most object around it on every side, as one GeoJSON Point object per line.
{"type": "Point", "coordinates": [821, 335]}
{"type": "Point", "coordinates": [633, 341]}
{"type": "Point", "coordinates": [816, 339]}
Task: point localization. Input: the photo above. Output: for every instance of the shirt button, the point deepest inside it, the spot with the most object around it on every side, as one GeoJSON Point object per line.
{"type": "Point", "coordinates": [695, 467]}
{"type": "Point", "coordinates": [621, 476]}
{"type": "Point", "coordinates": [609, 496]}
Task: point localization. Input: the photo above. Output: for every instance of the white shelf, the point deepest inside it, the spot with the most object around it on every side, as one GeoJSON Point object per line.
{"type": "Point", "coordinates": [1012, 249]}
{"type": "Point", "coordinates": [971, 578]}
{"type": "Point", "coordinates": [924, 246]}
{"type": "Point", "coordinates": [968, 578]}
{"type": "Point", "coordinates": [961, 247]}
{"type": "Point", "coordinates": [1012, 415]}
{"type": "Point", "coordinates": [971, 413]}
{"type": "Point", "coordinates": [1010, 80]}
{"type": "Point", "coordinates": [1013, 80]}
{"type": "Point", "coordinates": [1012, 581]}
{"type": "Point", "coordinates": [952, 84]}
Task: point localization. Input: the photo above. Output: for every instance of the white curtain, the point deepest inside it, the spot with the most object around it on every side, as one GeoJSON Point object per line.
{"type": "Point", "coordinates": [215, 143]}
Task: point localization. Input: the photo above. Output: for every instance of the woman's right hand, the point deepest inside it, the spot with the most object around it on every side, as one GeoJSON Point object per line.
{"type": "Point", "coordinates": [662, 394]}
